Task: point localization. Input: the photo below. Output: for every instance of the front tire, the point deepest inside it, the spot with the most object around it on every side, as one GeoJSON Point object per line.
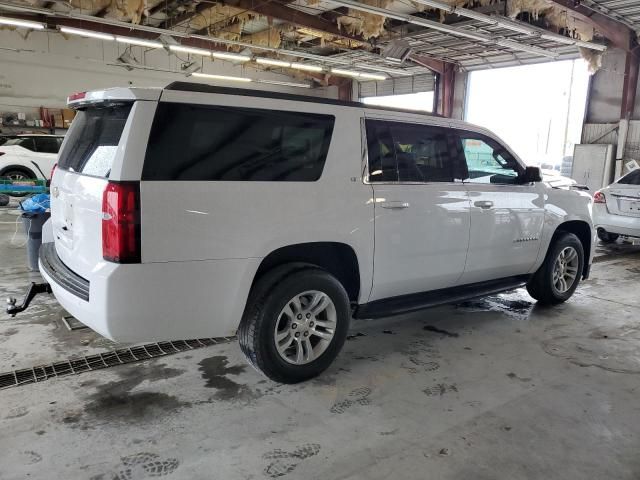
{"type": "Point", "coordinates": [606, 237]}
{"type": "Point", "coordinates": [559, 275]}
{"type": "Point", "coordinates": [295, 323]}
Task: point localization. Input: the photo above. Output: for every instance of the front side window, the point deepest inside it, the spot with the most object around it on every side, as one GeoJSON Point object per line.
{"type": "Point", "coordinates": [200, 142]}
{"type": "Point", "coordinates": [24, 142]}
{"type": "Point", "coordinates": [488, 161]}
{"type": "Point", "coordinates": [401, 152]}
{"type": "Point", "coordinates": [47, 144]}
{"type": "Point", "coordinates": [632, 178]}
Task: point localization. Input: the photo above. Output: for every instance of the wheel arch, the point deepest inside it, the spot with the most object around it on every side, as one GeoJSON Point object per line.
{"type": "Point", "coordinates": [583, 231]}
{"type": "Point", "coordinates": [339, 259]}
{"type": "Point", "coordinates": [20, 168]}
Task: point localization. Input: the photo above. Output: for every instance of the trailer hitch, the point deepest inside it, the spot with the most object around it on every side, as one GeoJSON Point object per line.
{"type": "Point", "coordinates": [34, 289]}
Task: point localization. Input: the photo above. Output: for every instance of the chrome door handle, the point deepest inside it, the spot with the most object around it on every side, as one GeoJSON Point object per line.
{"type": "Point", "coordinates": [485, 204]}
{"type": "Point", "coordinates": [395, 205]}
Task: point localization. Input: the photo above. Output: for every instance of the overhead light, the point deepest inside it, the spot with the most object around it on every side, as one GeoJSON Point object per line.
{"type": "Point", "coordinates": [371, 76]}
{"type": "Point", "coordinates": [286, 84]}
{"type": "Point", "coordinates": [307, 67]}
{"type": "Point", "coordinates": [272, 62]}
{"type": "Point", "coordinates": [21, 23]}
{"type": "Point", "coordinates": [348, 73]}
{"type": "Point", "coordinates": [87, 33]}
{"type": "Point", "coordinates": [223, 78]}
{"type": "Point", "coordinates": [193, 50]}
{"type": "Point", "coordinates": [231, 56]}
{"type": "Point", "coordinates": [139, 42]}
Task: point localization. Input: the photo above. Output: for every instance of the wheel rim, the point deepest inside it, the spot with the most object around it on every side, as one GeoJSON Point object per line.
{"type": "Point", "coordinates": [305, 327]}
{"type": "Point", "coordinates": [565, 269]}
{"type": "Point", "coordinates": [16, 176]}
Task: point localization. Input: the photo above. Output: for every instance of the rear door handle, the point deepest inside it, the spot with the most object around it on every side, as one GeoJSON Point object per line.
{"type": "Point", "coordinates": [395, 205]}
{"type": "Point", "coordinates": [485, 204]}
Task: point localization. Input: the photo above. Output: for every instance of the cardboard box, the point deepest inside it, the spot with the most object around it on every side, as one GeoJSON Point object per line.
{"type": "Point", "coordinates": [67, 116]}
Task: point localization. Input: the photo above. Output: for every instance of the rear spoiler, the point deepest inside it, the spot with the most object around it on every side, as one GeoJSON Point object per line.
{"type": "Point", "coordinates": [110, 95]}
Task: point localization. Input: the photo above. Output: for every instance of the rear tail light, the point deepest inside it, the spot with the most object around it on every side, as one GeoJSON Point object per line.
{"type": "Point", "coordinates": [599, 197]}
{"type": "Point", "coordinates": [121, 222]}
{"type": "Point", "coordinates": [76, 96]}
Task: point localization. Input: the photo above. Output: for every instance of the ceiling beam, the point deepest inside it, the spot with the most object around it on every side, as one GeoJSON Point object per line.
{"type": "Point", "coordinates": [185, 16]}
{"type": "Point", "coordinates": [619, 34]}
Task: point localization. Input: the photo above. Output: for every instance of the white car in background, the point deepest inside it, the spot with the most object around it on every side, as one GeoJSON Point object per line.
{"type": "Point", "coordinates": [616, 209]}
{"type": "Point", "coordinates": [29, 156]}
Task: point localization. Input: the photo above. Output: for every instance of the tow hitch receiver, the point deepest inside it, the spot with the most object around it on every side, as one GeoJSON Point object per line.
{"type": "Point", "coordinates": [34, 290]}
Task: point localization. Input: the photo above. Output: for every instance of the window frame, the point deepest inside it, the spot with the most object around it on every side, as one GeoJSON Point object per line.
{"type": "Point", "coordinates": [461, 133]}
{"type": "Point", "coordinates": [366, 179]}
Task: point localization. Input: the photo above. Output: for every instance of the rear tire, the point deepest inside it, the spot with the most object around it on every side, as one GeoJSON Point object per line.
{"type": "Point", "coordinates": [18, 173]}
{"type": "Point", "coordinates": [606, 237]}
{"type": "Point", "coordinates": [560, 273]}
{"type": "Point", "coordinates": [295, 323]}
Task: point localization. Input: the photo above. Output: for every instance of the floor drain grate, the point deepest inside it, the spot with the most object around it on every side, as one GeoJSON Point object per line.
{"type": "Point", "coordinates": [74, 366]}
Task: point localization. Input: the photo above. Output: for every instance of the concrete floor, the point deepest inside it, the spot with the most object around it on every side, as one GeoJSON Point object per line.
{"type": "Point", "coordinates": [490, 389]}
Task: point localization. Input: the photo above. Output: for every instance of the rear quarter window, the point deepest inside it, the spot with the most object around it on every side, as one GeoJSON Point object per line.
{"type": "Point", "coordinates": [92, 140]}
{"type": "Point", "coordinates": [201, 142]}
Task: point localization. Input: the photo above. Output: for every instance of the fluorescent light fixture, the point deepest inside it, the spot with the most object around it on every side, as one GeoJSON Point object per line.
{"type": "Point", "coordinates": [223, 78]}
{"type": "Point", "coordinates": [307, 67]}
{"type": "Point", "coordinates": [193, 50]}
{"type": "Point", "coordinates": [286, 84]}
{"type": "Point", "coordinates": [371, 76]}
{"type": "Point", "coordinates": [21, 23]}
{"type": "Point", "coordinates": [272, 62]}
{"type": "Point", "coordinates": [87, 33]}
{"type": "Point", "coordinates": [348, 73]}
{"type": "Point", "coordinates": [139, 42]}
{"type": "Point", "coordinates": [231, 56]}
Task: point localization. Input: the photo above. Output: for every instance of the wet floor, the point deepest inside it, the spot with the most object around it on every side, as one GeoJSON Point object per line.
{"type": "Point", "coordinates": [491, 388]}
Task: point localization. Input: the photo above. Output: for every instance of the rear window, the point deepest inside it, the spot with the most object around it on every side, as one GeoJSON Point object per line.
{"type": "Point", "coordinates": [197, 142]}
{"type": "Point", "coordinates": [632, 178]}
{"type": "Point", "coordinates": [92, 140]}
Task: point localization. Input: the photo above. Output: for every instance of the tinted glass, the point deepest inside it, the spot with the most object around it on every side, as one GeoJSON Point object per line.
{"type": "Point", "coordinates": [488, 161]}
{"type": "Point", "coordinates": [196, 142]}
{"type": "Point", "coordinates": [632, 178]}
{"type": "Point", "coordinates": [25, 142]}
{"type": "Point", "coordinates": [47, 144]}
{"type": "Point", "coordinates": [93, 140]}
{"type": "Point", "coordinates": [409, 153]}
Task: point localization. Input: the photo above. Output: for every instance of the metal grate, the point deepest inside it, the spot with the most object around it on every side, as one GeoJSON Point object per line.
{"type": "Point", "coordinates": [74, 366]}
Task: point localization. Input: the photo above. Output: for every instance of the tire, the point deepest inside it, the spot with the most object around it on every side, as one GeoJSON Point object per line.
{"type": "Point", "coordinates": [15, 173]}
{"type": "Point", "coordinates": [542, 286]}
{"type": "Point", "coordinates": [265, 312]}
{"type": "Point", "coordinates": [606, 237]}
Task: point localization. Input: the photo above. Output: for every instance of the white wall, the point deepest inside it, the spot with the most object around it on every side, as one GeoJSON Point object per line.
{"type": "Point", "coordinates": [43, 68]}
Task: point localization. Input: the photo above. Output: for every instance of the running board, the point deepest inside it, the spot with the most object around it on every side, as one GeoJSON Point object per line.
{"type": "Point", "coordinates": [418, 301]}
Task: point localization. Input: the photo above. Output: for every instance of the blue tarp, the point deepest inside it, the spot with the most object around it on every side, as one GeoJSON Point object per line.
{"type": "Point", "coordinates": [38, 203]}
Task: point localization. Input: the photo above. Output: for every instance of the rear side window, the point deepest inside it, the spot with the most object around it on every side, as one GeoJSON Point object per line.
{"type": "Point", "coordinates": [47, 144]}
{"type": "Point", "coordinates": [197, 142]}
{"type": "Point", "coordinates": [632, 178]}
{"type": "Point", "coordinates": [400, 152]}
{"type": "Point", "coordinates": [92, 140]}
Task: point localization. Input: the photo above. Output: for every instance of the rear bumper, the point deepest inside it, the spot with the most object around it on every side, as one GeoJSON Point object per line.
{"type": "Point", "coordinates": [160, 301]}
{"type": "Point", "coordinates": [620, 224]}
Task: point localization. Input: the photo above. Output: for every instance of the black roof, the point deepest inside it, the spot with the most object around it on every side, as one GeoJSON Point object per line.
{"type": "Point", "coordinates": [245, 92]}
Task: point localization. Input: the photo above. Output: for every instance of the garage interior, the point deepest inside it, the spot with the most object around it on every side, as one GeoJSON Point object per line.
{"type": "Point", "coordinates": [486, 389]}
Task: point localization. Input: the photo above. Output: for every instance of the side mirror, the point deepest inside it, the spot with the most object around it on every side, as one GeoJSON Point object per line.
{"type": "Point", "coordinates": [532, 175]}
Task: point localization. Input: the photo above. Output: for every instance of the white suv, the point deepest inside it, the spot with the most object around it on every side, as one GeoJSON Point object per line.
{"type": "Point", "coordinates": [197, 211]}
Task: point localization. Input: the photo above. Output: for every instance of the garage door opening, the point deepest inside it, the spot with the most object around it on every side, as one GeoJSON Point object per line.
{"type": "Point", "coordinates": [537, 109]}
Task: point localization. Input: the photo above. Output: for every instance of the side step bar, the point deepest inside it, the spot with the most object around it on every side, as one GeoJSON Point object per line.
{"type": "Point", "coordinates": [34, 289]}
{"type": "Point", "coordinates": [418, 301]}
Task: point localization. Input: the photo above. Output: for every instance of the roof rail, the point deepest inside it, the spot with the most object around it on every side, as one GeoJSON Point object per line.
{"type": "Point", "coordinates": [245, 92]}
